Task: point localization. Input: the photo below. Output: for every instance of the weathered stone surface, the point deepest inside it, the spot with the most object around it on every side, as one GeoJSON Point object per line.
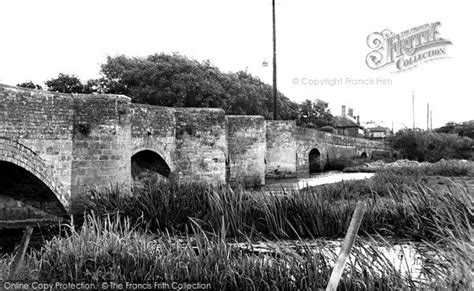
{"type": "Point", "coordinates": [281, 151]}
{"type": "Point", "coordinates": [101, 142]}
{"type": "Point", "coordinates": [246, 144]}
{"type": "Point", "coordinates": [201, 144]}
{"type": "Point", "coordinates": [154, 128]}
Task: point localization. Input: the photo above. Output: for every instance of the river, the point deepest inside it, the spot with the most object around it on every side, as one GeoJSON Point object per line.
{"type": "Point", "coordinates": [316, 179]}
{"type": "Point", "coordinates": [405, 257]}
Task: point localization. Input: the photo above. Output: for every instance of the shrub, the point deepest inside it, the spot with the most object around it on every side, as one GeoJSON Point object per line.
{"type": "Point", "coordinates": [431, 146]}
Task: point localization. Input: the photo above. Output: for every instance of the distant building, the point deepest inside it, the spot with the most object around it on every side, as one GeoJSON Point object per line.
{"type": "Point", "coordinates": [348, 125]}
{"type": "Point", "coordinates": [378, 132]}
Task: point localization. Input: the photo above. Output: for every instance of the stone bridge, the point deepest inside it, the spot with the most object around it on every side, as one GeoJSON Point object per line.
{"type": "Point", "coordinates": [54, 146]}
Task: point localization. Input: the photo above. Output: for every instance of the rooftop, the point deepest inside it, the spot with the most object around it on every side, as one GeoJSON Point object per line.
{"type": "Point", "coordinates": [344, 122]}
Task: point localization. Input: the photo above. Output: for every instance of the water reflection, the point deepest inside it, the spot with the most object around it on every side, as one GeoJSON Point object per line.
{"type": "Point", "coordinates": [405, 257]}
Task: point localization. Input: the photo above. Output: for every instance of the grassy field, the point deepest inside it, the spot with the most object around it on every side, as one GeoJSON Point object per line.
{"type": "Point", "coordinates": [169, 232]}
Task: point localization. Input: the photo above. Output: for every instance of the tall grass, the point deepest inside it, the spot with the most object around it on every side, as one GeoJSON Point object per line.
{"type": "Point", "coordinates": [112, 249]}
{"type": "Point", "coordinates": [415, 211]}
{"type": "Point", "coordinates": [106, 250]}
{"type": "Point", "coordinates": [167, 232]}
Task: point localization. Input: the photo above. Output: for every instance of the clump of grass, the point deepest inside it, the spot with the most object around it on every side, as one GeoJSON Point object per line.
{"type": "Point", "coordinates": [112, 249]}
{"type": "Point", "coordinates": [404, 211]}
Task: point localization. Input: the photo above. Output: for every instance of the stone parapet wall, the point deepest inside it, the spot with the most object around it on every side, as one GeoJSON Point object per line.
{"type": "Point", "coordinates": [246, 142]}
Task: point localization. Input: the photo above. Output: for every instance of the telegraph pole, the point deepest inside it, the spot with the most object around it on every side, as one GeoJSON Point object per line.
{"type": "Point", "coordinates": [275, 91]}
{"type": "Point", "coordinates": [428, 116]}
{"type": "Point", "coordinates": [431, 120]}
{"type": "Point", "coordinates": [413, 107]}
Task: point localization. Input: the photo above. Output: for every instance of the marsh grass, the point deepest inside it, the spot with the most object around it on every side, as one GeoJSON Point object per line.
{"type": "Point", "coordinates": [113, 249]}
{"type": "Point", "coordinates": [405, 208]}
{"type": "Point", "coordinates": [187, 232]}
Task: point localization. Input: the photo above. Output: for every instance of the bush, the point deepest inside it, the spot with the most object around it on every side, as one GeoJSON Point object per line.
{"type": "Point", "coordinates": [431, 146]}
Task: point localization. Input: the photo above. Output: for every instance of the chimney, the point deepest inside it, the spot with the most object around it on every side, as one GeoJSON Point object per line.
{"type": "Point", "coordinates": [343, 110]}
{"type": "Point", "coordinates": [351, 112]}
{"type": "Point", "coordinates": [358, 120]}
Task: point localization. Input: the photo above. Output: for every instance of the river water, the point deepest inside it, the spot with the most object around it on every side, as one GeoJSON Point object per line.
{"type": "Point", "coordinates": [313, 180]}
{"type": "Point", "coordinates": [402, 256]}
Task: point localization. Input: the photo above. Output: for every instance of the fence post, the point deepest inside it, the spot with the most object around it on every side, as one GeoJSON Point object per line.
{"type": "Point", "coordinates": [20, 253]}
{"type": "Point", "coordinates": [346, 246]}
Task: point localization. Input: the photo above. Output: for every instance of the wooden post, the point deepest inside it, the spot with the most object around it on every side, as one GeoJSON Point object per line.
{"type": "Point", "coordinates": [20, 253]}
{"type": "Point", "coordinates": [346, 246]}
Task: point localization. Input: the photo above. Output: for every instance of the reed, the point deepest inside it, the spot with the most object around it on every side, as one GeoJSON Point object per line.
{"type": "Point", "coordinates": [112, 249]}
{"type": "Point", "coordinates": [400, 209]}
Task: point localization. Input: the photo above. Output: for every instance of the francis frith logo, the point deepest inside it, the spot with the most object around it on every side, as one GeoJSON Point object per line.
{"type": "Point", "coordinates": [407, 49]}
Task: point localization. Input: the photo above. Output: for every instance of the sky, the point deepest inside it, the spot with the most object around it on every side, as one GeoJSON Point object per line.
{"type": "Point", "coordinates": [321, 47]}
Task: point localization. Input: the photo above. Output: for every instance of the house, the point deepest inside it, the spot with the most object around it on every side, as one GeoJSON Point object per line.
{"type": "Point", "coordinates": [348, 125]}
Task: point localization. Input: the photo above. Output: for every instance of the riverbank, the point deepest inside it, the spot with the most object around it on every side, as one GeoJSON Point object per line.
{"type": "Point", "coordinates": [442, 167]}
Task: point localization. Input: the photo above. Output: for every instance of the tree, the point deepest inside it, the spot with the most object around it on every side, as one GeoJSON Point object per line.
{"type": "Point", "coordinates": [30, 85]}
{"type": "Point", "coordinates": [177, 81]}
{"type": "Point", "coordinates": [315, 114]}
{"type": "Point", "coordinates": [431, 146]}
{"type": "Point", "coordinates": [65, 84]}
{"type": "Point", "coordinates": [462, 129]}
{"type": "Point", "coordinates": [92, 86]}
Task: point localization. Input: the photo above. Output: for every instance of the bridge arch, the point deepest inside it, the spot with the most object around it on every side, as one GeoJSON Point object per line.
{"type": "Point", "coordinates": [24, 176]}
{"type": "Point", "coordinates": [364, 155]}
{"type": "Point", "coordinates": [148, 161]}
{"type": "Point", "coordinates": [314, 159]}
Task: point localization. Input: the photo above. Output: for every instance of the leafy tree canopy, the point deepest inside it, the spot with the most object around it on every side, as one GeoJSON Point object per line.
{"type": "Point", "coordinates": [177, 81]}
{"type": "Point", "coordinates": [431, 146]}
{"type": "Point", "coordinates": [315, 114]}
{"type": "Point", "coordinates": [65, 84]}
{"type": "Point", "coordinates": [462, 129]}
{"type": "Point", "coordinates": [30, 85]}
